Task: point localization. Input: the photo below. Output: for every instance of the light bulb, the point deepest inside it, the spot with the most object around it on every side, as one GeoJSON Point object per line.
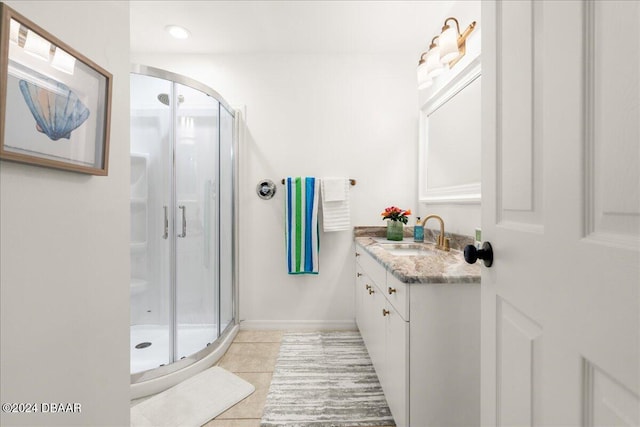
{"type": "Point", "coordinates": [448, 44]}
{"type": "Point", "coordinates": [63, 61]}
{"type": "Point", "coordinates": [14, 31]}
{"type": "Point", "coordinates": [37, 46]}
{"type": "Point", "coordinates": [433, 65]}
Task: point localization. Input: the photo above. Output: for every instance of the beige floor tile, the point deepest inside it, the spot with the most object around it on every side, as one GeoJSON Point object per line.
{"type": "Point", "coordinates": [250, 357]}
{"type": "Point", "coordinates": [233, 423]}
{"type": "Point", "coordinates": [259, 336]}
{"type": "Point", "coordinates": [252, 406]}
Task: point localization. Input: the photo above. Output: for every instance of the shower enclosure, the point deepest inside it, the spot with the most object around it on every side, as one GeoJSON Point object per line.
{"type": "Point", "coordinates": [182, 222]}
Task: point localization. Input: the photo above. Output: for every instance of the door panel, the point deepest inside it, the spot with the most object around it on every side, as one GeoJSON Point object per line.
{"type": "Point", "coordinates": [397, 366]}
{"type": "Point", "coordinates": [151, 131]}
{"type": "Point", "coordinates": [560, 305]}
{"type": "Point", "coordinates": [613, 163]}
{"type": "Point", "coordinates": [516, 88]}
{"type": "Point", "coordinates": [517, 355]}
{"type": "Point", "coordinates": [196, 222]}
{"type": "Point", "coordinates": [374, 304]}
{"type": "Point", "coordinates": [362, 281]}
{"type": "Point", "coordinates": [608, 403]}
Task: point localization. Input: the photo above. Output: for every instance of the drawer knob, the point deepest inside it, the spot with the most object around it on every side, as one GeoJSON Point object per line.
{"type": "Point", "coordinates": [392, 290]}
{"type": "Point", "coordinates": [357, 254]}
{"type": "Point", "coordinates": [385, 312]}
{"type": "Point", "coordinates": [371, 291]}
{"type": "Point", "coordinates": [358, 274]}
{"type": "Point", "coordinates": [367, 287]}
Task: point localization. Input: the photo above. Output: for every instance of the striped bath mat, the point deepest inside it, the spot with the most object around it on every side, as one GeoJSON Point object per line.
{"type": "Point", "coordinates": [301, 225]}
{"type": "Point", "coordinates": [324, 379]}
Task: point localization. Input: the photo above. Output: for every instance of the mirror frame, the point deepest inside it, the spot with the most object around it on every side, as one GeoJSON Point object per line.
{"type": "Point", "coordinates": [468, 193]}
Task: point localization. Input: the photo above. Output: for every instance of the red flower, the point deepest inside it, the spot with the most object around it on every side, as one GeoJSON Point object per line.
{"type": "Point", "coordinates": [394, 213]}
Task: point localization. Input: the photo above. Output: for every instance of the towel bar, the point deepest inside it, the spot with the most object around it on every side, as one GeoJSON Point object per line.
{"type": "Point", "coordinates": [351, 181]}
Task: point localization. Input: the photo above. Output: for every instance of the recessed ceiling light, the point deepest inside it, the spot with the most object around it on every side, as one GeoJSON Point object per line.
{"type": "Point", "coordinates": [177, 31]}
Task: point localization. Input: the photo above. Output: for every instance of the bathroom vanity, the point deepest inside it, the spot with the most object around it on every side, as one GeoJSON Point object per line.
{"type": "Point", "coordinates": [418, 310]}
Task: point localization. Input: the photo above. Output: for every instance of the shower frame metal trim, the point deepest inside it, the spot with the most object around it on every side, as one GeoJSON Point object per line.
{"type": "Point", "coordinates": [177, 78]}
{"type": "Point", "coordinates": [179, 364]}
{"type": "Point", "coordinates": [173, 249]}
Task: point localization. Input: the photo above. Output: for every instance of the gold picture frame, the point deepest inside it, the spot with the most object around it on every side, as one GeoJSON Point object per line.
{"type": "Point", "coordinates": [55, 103]}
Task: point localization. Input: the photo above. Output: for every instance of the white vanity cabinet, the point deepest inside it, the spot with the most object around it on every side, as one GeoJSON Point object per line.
{"type": "Point", "coordinates": [445, 354]}
{"type": "Point", "coordinates": [385, 332]}
{"type": "Point", "coordinates": [425, 345]}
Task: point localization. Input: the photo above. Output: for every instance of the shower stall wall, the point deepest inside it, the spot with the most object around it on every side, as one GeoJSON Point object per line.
{"type": "Point", "coordinates": [182, 222]}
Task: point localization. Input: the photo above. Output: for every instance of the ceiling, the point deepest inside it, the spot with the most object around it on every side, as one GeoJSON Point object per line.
{"type": "Point", "coordinates": [224, 27]}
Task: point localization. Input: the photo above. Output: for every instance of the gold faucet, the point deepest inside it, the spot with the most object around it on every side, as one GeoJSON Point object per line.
{"type": "Point", "coordinates": [442, 242]}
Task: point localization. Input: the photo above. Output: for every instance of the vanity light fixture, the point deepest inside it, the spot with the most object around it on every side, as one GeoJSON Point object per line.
{"type": "Point", "coordinates": [63, 61]}
{"type": "Point", "coordinates": [178, 32]}
{"type": "Point", "coordinates": [434, 66]}
{"type": "Point", "coordinates": [452, 43]}
{"type": "Point", "coordinates": [449, 49]}
{"type": "Point", "coordinates": [37, 46]}
{"type": "Point", "coordinates": [14, 31]}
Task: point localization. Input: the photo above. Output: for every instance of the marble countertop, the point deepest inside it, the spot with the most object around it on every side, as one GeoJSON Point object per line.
{"type": "Point", "coordinates": [435, 266]}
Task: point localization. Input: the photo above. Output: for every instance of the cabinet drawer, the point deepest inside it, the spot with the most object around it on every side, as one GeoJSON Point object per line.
{"type": "Point", "coordinates": [374, 269]}
{"type": "Point", "coordinates": [397, 293]}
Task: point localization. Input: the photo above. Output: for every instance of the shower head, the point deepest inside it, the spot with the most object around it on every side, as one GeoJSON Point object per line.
{"type": "Point", "coordinates": [164, 98]}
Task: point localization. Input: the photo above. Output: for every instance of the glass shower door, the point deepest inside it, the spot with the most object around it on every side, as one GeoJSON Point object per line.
{"type": "Point", "coordinates": [196, 221]}
{"type": "Point", "coordinates": [151, 135]}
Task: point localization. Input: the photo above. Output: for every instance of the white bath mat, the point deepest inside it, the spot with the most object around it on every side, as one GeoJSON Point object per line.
{"type": "Point", "coordinates": [193, 402]}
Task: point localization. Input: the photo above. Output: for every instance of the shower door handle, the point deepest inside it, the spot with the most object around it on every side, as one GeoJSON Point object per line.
{"type": "Point", "coordinates": [184, 221]}
{"type": "Point", "coordinates": [166, 223]}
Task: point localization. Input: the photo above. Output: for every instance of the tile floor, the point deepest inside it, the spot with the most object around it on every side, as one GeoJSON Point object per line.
{"type": "Point", "coordinates": [252, 356]}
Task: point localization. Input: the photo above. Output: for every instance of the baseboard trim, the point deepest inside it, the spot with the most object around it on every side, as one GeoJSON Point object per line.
{"type": "Point", "coordinates": [309, 325]}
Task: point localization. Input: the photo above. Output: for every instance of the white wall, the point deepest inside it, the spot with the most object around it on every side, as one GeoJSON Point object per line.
{"type": "Point", "coordinates": [64, 252]}
{"type": "Point", "coordinates": [458, 218]}
{"type": "Point", "coordinates": [320, 115]}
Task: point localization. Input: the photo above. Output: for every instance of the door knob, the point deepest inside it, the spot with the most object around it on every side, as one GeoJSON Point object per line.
{"type": "Point", "coordinates": [391, 290]}
{"type": "Point", "coordinates": [471, 254]}
{"type": "Point", "coordinates": [385, 312]}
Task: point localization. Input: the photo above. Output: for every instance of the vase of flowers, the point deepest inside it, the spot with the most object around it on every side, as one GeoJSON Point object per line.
{"type": "Point", "coordinates": [396, 218]}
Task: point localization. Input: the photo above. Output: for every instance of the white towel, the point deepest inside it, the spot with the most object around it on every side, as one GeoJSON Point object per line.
{"type": "Point", "coordinates": [336, 215]}
{"type": "Point", "coordinates": [334, 189]}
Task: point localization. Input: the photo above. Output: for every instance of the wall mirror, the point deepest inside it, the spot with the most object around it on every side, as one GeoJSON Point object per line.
{"type": "Point", "coordinates": [450, 137]}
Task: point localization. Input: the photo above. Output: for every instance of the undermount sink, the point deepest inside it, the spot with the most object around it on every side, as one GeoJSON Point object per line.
{"type": "Point", "coordinates": [409, 250]}
{"type": "Point", "coordinates": [406, 248]}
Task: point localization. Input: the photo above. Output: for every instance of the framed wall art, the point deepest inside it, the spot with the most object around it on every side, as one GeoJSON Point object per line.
{"type": "Point", "coordinates": [55, 103]}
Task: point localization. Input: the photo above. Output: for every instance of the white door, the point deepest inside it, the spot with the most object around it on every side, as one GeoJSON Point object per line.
{"type": "Point", "coordinates": [561, 207]}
